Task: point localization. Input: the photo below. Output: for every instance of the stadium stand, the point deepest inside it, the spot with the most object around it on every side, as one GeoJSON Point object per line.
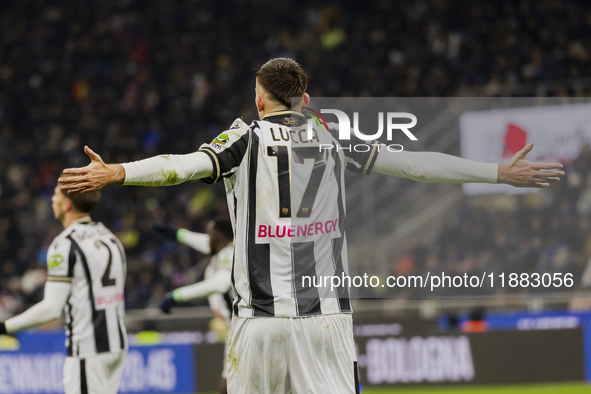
{"type": "Point", "coordinates": [131, 78]}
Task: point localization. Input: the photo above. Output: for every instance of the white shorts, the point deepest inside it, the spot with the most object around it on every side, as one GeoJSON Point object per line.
{"type": "Point", "coordinates": [305, 355]}
{"type": "Point", "coordinates": [99, 374]}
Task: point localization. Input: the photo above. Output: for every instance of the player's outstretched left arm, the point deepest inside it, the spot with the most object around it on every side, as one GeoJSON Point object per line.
{"type": "Point", "coordinates": [54, 299]}
{"type": "Point", "coordinates": [438, 167]}
{"type": "Point", "coordinates": [163, 170]}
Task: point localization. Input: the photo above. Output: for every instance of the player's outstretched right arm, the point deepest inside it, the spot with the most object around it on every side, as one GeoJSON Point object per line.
{"type": "Point", "coordinates": [163, 170]}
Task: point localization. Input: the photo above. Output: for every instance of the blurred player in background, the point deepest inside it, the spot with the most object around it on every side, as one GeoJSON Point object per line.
{"type": "Point", "coordinates": [285, 336]}
{"type": "Point", "coordinates": [86, 274]}
{"type": "Point", "coordinates": [217, 282]}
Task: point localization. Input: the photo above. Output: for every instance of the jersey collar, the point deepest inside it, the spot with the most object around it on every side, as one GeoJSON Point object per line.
{"type": "Point", "coordinates": [83, 220]}
{"type": "Point", "coordinates": [287, 118]}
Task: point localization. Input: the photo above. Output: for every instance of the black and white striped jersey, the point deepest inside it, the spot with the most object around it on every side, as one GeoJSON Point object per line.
{"type": "Point", "coordinates": [285, 190]}
{"type": "Point", "coordinates": [89, 256]}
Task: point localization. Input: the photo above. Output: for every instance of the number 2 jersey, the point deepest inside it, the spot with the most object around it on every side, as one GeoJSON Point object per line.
{"type": "Point", "coordinates": [89, 256]}
{"type": "Point", "coordinates": [285, 190]}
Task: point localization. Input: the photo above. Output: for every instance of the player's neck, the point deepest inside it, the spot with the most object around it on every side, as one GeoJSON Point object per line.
{"type": "Point", "coordinates": [269, 111]}
{"type": "Point", "coordinates": [75, 217]}
{"type": "Point", "coordinates": [276, 109]}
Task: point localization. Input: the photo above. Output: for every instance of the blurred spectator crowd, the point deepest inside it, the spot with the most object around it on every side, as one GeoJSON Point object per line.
{"type": "Point", "coordinates": [134, 78]}
{"type": "Point", "coordinates": [545, 232]}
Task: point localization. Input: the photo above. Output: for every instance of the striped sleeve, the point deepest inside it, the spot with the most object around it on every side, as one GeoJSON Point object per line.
{"type": "Point", "coordinates": [60, 261]}
{"type": "Point", "coordinates": [227, 150]}
{"type": "Point", "coordinates": [360, 155]}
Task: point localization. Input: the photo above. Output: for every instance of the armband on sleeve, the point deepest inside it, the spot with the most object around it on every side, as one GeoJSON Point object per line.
{"type": "Point", "coordinates": [227, 150]}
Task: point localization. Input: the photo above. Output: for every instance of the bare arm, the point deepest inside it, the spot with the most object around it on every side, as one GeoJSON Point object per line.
{"type": "Point", "coordinates": [439, 167]}
{"type": "Point", "coordinates": [161, 170]}
{"type": "Point", "coordinates": [54, 299]}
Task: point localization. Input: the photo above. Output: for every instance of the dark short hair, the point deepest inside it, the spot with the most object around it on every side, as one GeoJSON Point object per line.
{"type": "Point", "coordinates": [284, 78]}
{"type": "Point", "coordinates": [82, 202]}
{"type": "Point", "coordinates": [224, 227]}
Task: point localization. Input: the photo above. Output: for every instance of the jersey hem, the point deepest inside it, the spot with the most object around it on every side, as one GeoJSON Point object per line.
{"type": "Point", "coordinates": [55, 278]}
{"type": "Point", "coordinates": [294, 317]}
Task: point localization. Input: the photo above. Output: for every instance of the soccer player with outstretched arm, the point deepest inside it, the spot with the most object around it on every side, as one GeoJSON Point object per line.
{"type": "Point", "coordinates": [287, 204]}
{"type": "Point", "coordinates": [86, 276]}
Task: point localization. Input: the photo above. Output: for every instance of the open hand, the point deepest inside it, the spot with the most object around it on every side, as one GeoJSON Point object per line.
{"type": "Point", "coordinates": [93, 177]}
{"type": "Point", "coordinates": [519, 172]}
